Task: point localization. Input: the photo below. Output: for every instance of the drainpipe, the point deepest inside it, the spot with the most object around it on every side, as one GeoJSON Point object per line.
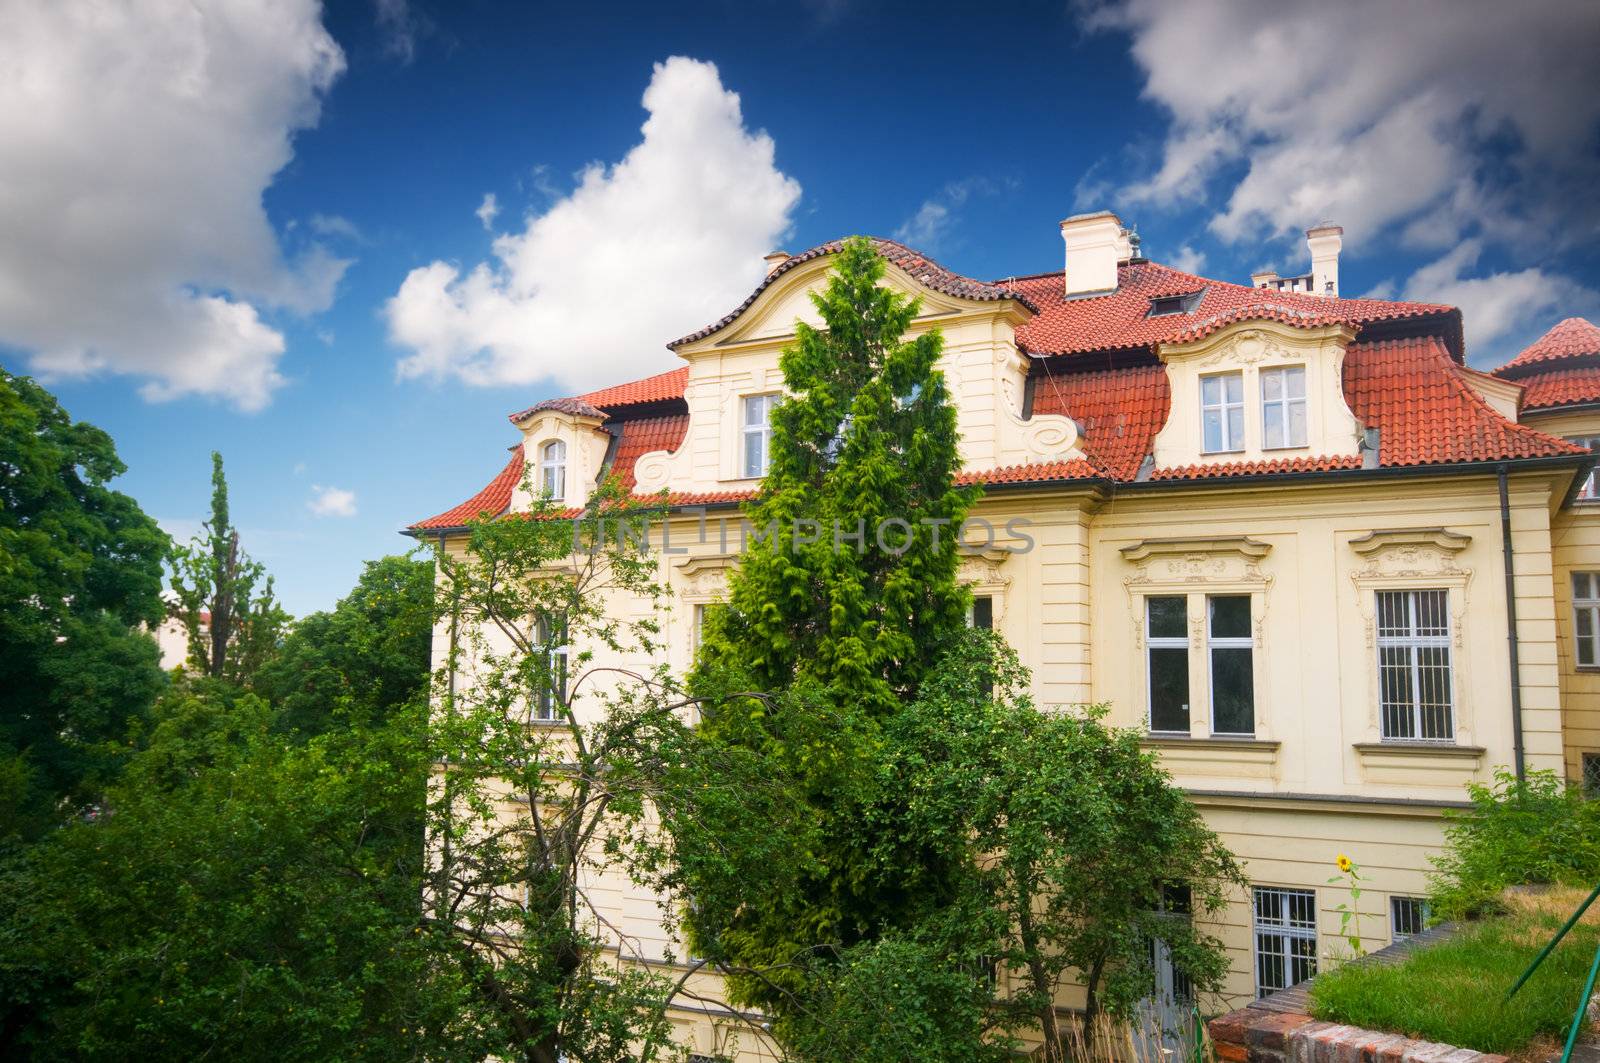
{"type": "Point", "coordinates": [1511, 625]}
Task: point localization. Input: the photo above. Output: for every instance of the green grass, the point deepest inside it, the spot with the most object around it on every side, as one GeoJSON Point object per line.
{"type": "Point", "coordinates": [1454, 991]}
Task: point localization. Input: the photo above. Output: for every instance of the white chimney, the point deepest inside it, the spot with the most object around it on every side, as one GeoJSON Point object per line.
{"type": "Point", "coordinates": [1325, 241]}
{"type": "Point", "coordinates": [1095, 244]}
{"type": "Point", "coordinates": [774, 260]}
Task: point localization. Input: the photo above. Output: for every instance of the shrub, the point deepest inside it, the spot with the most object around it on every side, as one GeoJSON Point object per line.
{"type": "Point", "coordinates": [1535, 831]}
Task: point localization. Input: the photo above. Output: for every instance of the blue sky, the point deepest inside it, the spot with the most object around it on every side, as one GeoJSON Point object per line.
{"type": "Point", "coordinates": [265, 233]}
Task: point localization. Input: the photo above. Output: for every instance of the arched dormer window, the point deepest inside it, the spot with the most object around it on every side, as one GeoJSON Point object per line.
{"type": "Point", "coordinates": [553, 469]}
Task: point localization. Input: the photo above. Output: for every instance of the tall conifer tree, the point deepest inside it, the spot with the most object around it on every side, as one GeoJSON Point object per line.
{"type": "Point", "coordinates": [839, 608]}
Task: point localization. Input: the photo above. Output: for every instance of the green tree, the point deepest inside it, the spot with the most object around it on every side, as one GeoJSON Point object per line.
{"type": "Point", "coordinates": [1075, 848]}
{"type": "Point", "coordinates": [233, 627]}
{"type": "Point", "coordinates": [80, 568]}
{"type": "Point", "coordinates": [368, 655]}
{"type": "Point", "coordinates": [241, 897]}
{"type": "Point", "coordinates": [840, 621]}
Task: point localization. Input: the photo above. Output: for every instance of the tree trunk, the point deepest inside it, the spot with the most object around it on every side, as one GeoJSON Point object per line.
{"type": "Point", "coordinates": [1039, 979]}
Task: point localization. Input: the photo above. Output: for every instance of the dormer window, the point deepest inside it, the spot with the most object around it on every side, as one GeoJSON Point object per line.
{"type": "Point", "coordinates": [1164, 305]}
{"type": "Point", "coordinates": [1283, 407]}
{"type": "Point", "coordinates": [1222, 412]}
{"type": "Point", "coordinates": [553, 469]}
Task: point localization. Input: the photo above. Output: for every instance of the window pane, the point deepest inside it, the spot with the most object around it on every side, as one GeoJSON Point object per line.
{"type": "Point", "coordinates": [1169, 690]}
{"type": "Point", "coordinates": [1586, 616]}
{"type": "Point", "coordinates": [983, 613]}
{"type": "Point", "coordinates": [1235, 427]}
{"type": "Point", "coordinates": [1272, 384]}
{"type": "Point", "coordinates": [754, 456]}
{"type": "Point", "coordinates": [1213, 430]}
{"type": "Point", "coordinates": [1294, 382]}
{"type": "Point", "coordinates": [1230, 616]}
{"type": "Point", "coordinates": [1232, 692]}
{"type": "Point", "coordinates": [1211, 390]}
{"type": "Point", "coordinates": [1581, 585]}
{"type": "Point", "coordinates": [1394, 691]}
{"type": "Point", "coordinates": [1433, 668]}
{"type": "Point", "coordinates": [1234, 385]}
{"type": "Point", "coordinates": [755, 410]}
{"type": "Point", "coordinates": [1407, 916]}
{"type": "Point", "coordinates": [1272, 426]}
{"type": "Point", "coordinates": [1591, 774]}
{"type": "Point", "coordinates": [1297, 423]}
{"type": "Point", "coordinates": [1168, 617]}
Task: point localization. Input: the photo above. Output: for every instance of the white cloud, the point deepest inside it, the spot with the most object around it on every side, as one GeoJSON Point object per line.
{"type": "Point", "coordinates": [398, 27]}
{"type": "Point", "coordinates": [335, 225]}
{"type": "Point", "coordinates": [1413, 119]}
{"type": "Point", "coordinates": [1187, 259]}
{"type": "Point", "coordinates": [1500, 306]}
{"type": "Point", "coordinates": [487, 210]}
{"type": "Point", "coordinates": [931, 225]}
{"type": "Point", "coordinates": [641, 252]}
{"type": "Point", "coordinates": [138, 144]}
{"type": "Point", "coordinates": [332, 501]}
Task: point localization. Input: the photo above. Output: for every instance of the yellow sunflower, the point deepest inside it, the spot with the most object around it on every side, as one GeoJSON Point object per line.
{"type": "Point", "coordinates": [1344, 863]}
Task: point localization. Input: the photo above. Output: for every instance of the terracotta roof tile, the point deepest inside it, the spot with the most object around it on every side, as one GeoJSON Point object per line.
{"type": "Point", "coordinates": [1223, 470]}
{"type": "Point", "coordinates": [576, 407]}
{"type": "Point", "coordinates": [493, 500]}
{"type": "Point", "coordinates": [1567, 341]}
{"type": "Point", "coordinates": [1033, 472]}
{"type": "Point", "coordinates": [1118, 411]}
{"type": "Point", "coordinates": [659, 388]}
{"type": "Point", "coordinates": [642, 435]}
{"type": "Point", "coordinates": [1427, 413]}
{"type": "Point", "coordinates": [1560, 387]}
{"type": "Point", "coordinates": [924, 269]}
{"type": "Point", "coordinates": [1121, 319]}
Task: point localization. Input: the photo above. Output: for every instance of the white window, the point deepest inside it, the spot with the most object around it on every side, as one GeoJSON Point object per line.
{"type": "Point", "coordinates": [1286, 938]}
{"type": "Point", "coordinates": [1283, 407]}
{"type": "Point", "coordinates": [1408, 916]}
{"type": "Point", "coordinates": [553, 469]}
{"type": "Point", "coordinates": [1232, 650]}
{"type": "Point", "coordinates": [1414, 681]}
{"type": "Point", "coordinates": [552, 684]}
{"type": "Point", "coordinates": [1586, 617]}
{"type": "Point", "coordinates": [757, 431]}
{"type": "Point", "coordinates": [1589, 489]}
{"type": "Point", "coordinates": [1222, 412]}
{"type": "Point", "coordinates": [1167, 662]}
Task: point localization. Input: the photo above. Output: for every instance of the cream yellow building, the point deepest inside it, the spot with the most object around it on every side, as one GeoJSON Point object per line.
{"type": "Point", "coordinates": [1324, 566]}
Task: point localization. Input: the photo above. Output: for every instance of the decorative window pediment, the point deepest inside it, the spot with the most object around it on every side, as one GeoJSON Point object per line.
{"type": "Point", "coordinates": [1216, 559]}
{"type": "Point", "coordinates": [1411, 553]}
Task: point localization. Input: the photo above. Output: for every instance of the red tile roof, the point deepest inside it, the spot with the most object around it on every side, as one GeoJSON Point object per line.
{"type": "Point", "coordinates": [1425, 410]}
{"type": "Point", "coordinates": [1567, 341]}
{"type": "Point", "coordinates": [642, 435]}
{"type": "Point", "coordinates": [1222, 470]}
{"type": "Point", "coordinates": [1121, 319]}
{"type": "Point", "coordinates": [1560, 387]}
{"type": "Point", "coordinates": [575, 407]}
{"type": "Point", "coordinates": [662, 387]}
{"type": "Point", "coordinates": [493, 500]}
{"type": "Point", "coordinates": [1118, 411]}
{"type": "Point", "coordinates": [1033, 473]}
{"type": "Point", "coordinates": [926, 271]}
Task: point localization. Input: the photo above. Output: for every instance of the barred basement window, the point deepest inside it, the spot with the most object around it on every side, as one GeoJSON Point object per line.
{"type": "Point", "coordinates": [1286, 938]}
{"type": "Point", "coordinates": [1167, 662]}
{"type": "Point", "coordinates": [1586, 617]}
{"type": "Point", "coordinates": [1407, 916]}
{"type": "Point", "coordinates": [1414, 676]}
{"type": "Point", "coordinates": [552, 637]}
{"type": "Point", "coordinates": [1233, 697]}
{"type": "Point", "coordinates": [1591, 774]}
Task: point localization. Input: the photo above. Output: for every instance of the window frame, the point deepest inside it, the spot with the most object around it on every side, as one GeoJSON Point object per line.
{"type": "Point", "coordinates": [1283, 405]}
{"type": "Point", "coordinates": [1414, 643]}
{"type": "Point", "coordinates": [548, 631]}
{"type": "Point", "coordinates": [762, 429]}
{"type": "Point", "coordinates": [1590, 491]}
{"type": "Point", "coordinates": [553, 467]}
{"type": "Point", "coordinates": [1166, 642]}
{"type": "Point", "coordinates": [1214, 643]}
{"type": "Point", "coordinates": [1396, 902]}
{"type": "Point", "coordinates": [1229, 445]}
{"type": "Point", "coordinates": [1286, 929]}
{"type": "Point", "coordinates": [1587, 603]}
